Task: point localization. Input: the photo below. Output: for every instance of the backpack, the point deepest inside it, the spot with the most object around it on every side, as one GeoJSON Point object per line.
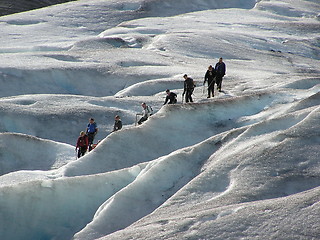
{"type": "Point", "coordinates": [189, 83]}
{"type": "Point", "coordinates": [82, 141]}
{"type": "Point", "coordinates": [149, 110]}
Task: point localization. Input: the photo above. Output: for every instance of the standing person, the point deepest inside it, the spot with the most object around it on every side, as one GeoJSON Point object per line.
{"type": "Point", "coordinates": [188, 88]}
{"type": "Point", "coordinates": [209, 76]}
{"type": "Point", "coordinates": [92, 130]}
{"type": "Point", "coordinates": [146, 112]}
{"type": "Point", "coordinates": [82, 144]}
{"type": "Point", "coordinates": [171, 97]}
{"type": "Point", "coordinates": [117, 123]}
{"type": "Point", "coordinates": [220, 72]}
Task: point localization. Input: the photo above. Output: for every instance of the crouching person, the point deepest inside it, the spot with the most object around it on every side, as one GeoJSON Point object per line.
{"type": "Point", "coordinates": [146, 113]}
{"type": "Point", "coordinates": [171, 97]}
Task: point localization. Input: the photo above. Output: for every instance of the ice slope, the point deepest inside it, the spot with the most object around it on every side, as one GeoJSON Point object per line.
{"type": "Point", "coordinates": [230, 195]}
{"type": "Point", "coordinates": [242, 165]}
{"type": "Point", "coordinates": [47, 208]}
{"type": "Point", "coordinates": [33, 154]}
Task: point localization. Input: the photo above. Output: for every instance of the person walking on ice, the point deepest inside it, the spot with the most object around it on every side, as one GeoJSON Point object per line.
{"type": "Point", "coordinates": [117, 123]}
{"type": "Point", "coordinates": [220, 72]}
{"type": "Point", "coordinates": [171, 97]}
{"type": "Point", "coordinates": [210, 78]}
{"type": "Point", "coordinates": [188, 88]}
{"type": "Point", "coordinates": [91, 131]}
{"type": "Point", "coordinates": [82, 144]}
{"type": "Point", "coordinates": [146, 112]}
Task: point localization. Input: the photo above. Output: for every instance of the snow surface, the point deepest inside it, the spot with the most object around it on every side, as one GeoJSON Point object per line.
{"type": "Point", "coordinates": [241, 165]}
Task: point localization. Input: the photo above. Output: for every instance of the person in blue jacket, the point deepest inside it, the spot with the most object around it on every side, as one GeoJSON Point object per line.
{"type": "Point", "coordinates": [91, 131]}
{"type": "Point", "coordinates": [220, 72]}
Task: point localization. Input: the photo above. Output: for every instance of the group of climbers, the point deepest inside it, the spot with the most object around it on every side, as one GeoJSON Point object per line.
{"type": "Point", "coordinates": [212, 76]}
{"type": "Point", "coordinates": [85, 140]}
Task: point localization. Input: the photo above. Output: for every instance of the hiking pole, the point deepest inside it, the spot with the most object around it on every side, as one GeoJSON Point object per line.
{"type": "Point", "coordinates": [193, 92]}
{"type": "Point", "coordinates": [138, 114]}
{"type": "Point", "coordinates": [136, 120]}
{"type": "Point", "coordinates": [210, 84]}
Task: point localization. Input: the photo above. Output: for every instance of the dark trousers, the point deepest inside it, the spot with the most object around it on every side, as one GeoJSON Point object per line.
{"type": "Point", "coordinates": [189, 95]}
{"type": "Point", "coordinates": [90, 140]}
{"type": "Point", "coordinates": [219, 81]}
{"type": "Point", "coordinates": [142, 120]}
{"type": "Point", "coordinates": [82, 151]}
{"type": "Point", "coordinates": [172, 101]}
{"type": "Point", "coordinates": [211, 88]}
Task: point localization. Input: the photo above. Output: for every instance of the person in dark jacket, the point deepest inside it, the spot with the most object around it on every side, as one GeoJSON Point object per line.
{"type": "Point", "coordinates": [82, 144]}
{"type": "Point", "coordinates": [171, 97]}
{"type": "Point", "coordinates": [117, 123]}
{"type": "Point", "coordinates": [188, 88]}
{"type": "Point", "coordinates": [210, 77]}
{"type": "Point", "coordinates": [220, 72]}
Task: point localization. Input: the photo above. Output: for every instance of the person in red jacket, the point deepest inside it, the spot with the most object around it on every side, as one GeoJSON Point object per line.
{"type": "Point", "coordinates": [82, 144]}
